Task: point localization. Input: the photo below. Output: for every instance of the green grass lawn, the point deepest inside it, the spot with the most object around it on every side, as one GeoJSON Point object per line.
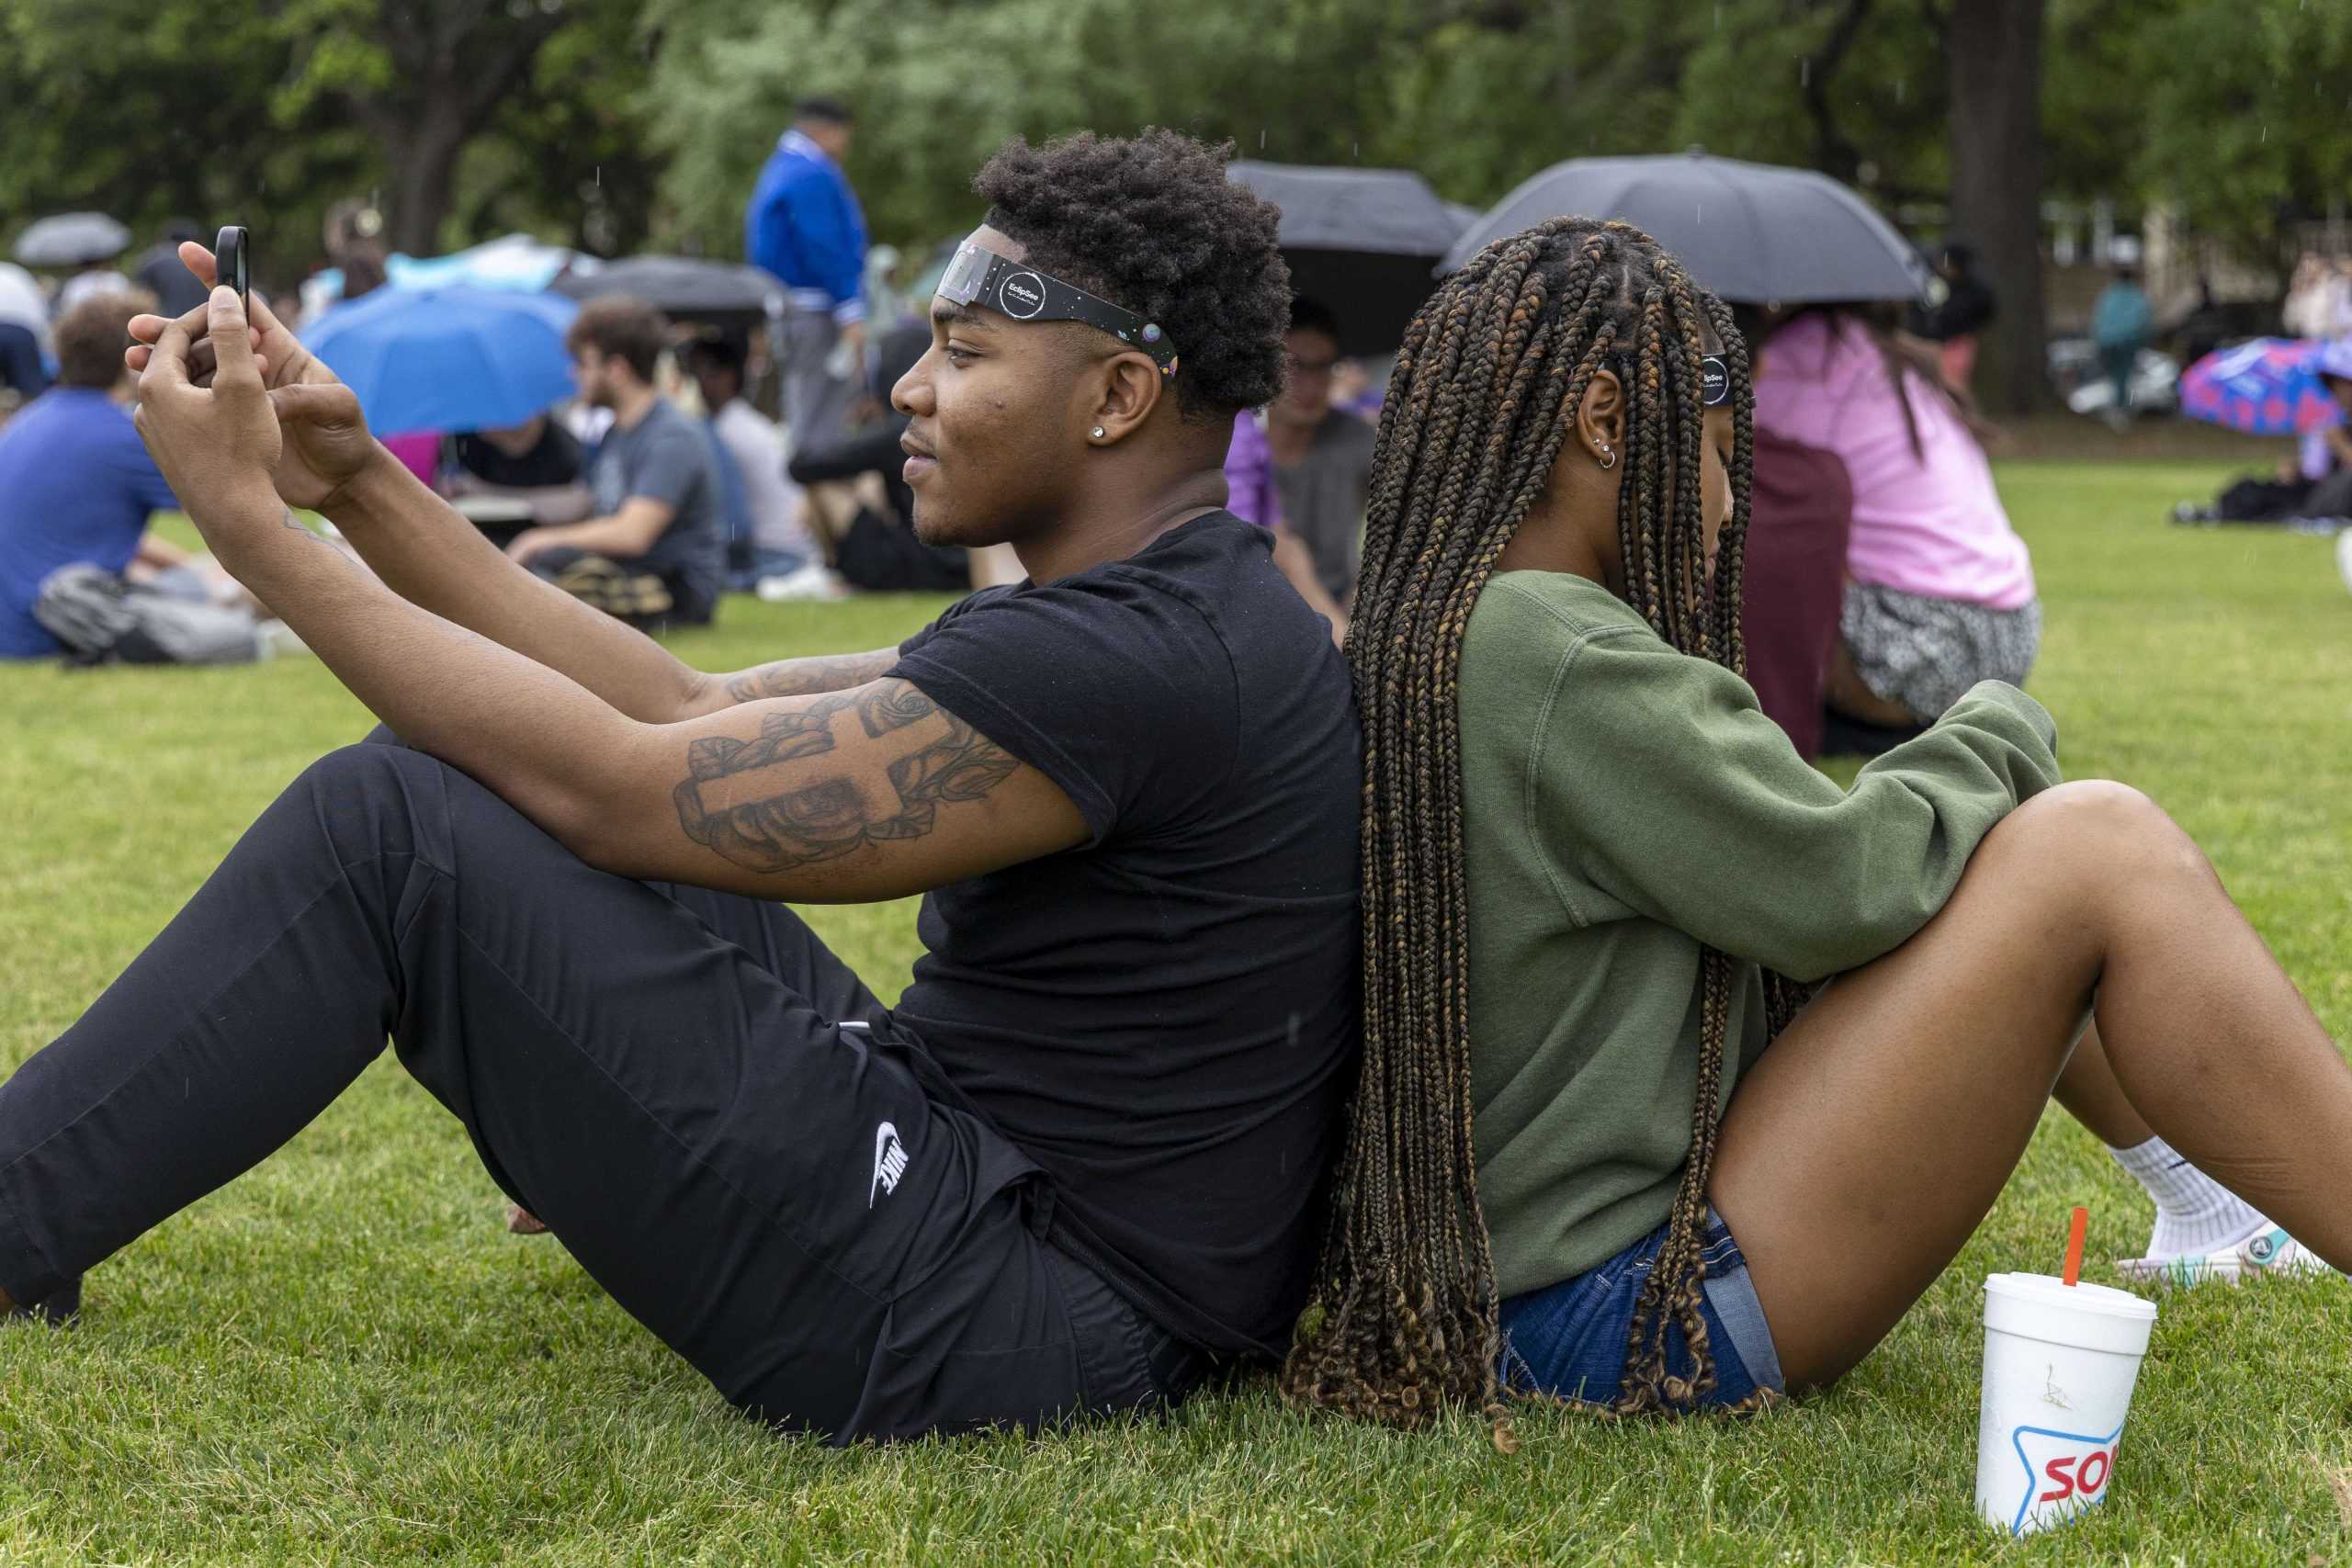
{"type": "Point", "coordinates": [343, 1358]}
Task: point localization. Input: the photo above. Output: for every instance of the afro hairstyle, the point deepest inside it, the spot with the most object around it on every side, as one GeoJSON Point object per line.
{"type": "Point", "coordinates": [1151, 223]}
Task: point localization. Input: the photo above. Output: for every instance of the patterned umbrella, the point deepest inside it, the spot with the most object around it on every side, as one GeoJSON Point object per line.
{"type": "Point", "coordinates": [2270, 386]}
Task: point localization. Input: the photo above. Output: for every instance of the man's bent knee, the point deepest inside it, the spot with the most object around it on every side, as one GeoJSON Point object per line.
{"type": "Point", "coordinates": [354, 785]}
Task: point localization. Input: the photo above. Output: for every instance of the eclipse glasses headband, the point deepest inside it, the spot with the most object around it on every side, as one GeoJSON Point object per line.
{"type": "Point", "coordinates": [1012, 288]}
{"type": "Point", "coordinates": [1715, 377]}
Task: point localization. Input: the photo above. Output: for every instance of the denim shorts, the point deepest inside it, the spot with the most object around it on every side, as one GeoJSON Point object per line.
{"type": "Point", "coordinates": [1569, 1339]}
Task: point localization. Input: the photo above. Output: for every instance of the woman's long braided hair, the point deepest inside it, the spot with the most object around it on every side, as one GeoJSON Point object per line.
{"type": "Point", "coordinates": [1403, 1317]}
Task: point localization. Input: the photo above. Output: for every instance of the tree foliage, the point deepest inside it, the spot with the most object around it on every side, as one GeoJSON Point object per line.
{"type": "Point", "coordinates": [617, 123]}
{"type": "Point", "coordinates": [267, 115]}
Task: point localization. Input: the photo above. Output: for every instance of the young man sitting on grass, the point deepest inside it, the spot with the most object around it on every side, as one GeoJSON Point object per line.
{"type": "Point", "coordinates": [655, 553]}
{"type": "Point", "coordinates": [1079, 1162]}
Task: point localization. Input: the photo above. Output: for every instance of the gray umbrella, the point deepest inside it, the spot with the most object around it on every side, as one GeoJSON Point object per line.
{"type": "Point", "coordinates": [1359, 241]}
{"type": "Point", "coordinates": [73, 238]}
{"type": "Point", "coordinates": [682, 287]}
{"type": "Point", "coordinates": [1752, 233]}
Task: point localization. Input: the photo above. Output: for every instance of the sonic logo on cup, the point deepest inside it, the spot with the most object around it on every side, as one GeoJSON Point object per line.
{"type": "Point", "coordinates": [2064, 1473]}
{"type": "Point", "coordinates": [2069, 1482]}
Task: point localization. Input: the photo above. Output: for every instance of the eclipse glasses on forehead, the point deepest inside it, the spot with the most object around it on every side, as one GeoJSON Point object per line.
{"type": "Point", "coordinates": [983, 277]}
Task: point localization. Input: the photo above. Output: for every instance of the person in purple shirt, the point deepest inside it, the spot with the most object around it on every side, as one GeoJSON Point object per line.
{"type": "Point", "coordinates": [1251, 495]}
{"type": "Point", "coordinates": [76, 487]}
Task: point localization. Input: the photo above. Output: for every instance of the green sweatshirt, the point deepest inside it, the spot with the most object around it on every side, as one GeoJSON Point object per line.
{"type": "Point", "coordinates": [1624, 804]}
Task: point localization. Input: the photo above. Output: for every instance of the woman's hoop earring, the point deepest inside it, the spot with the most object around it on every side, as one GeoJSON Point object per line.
{"type": "Point", "coordinates": [1608, 458]}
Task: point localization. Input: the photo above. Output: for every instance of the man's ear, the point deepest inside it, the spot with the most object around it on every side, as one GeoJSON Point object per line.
{"type": "Point", "coordinates": [1601, 419]}
{"type": "Point", "coordinates": [1129, 387]}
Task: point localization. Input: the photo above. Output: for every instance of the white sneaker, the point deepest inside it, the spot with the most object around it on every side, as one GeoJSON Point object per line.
{"type": "Point", "coordinates": [814, 581]}
{"type": "Point", "coordinates": [2268, 1253]}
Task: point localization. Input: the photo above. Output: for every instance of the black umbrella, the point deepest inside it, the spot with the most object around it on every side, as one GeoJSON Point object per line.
{"type": "Point", "coordinates": [1359, 241]}
{"type": "Point", "coordinates": [716, 293]}
{"type": "Point", "coordinates": [73, 238]}
{"type": "Point", "coordinates": [1752, 233]}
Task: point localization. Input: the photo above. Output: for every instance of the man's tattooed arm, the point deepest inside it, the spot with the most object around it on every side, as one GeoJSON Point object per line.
{"type": "Point", "coordinates": [802, 677]}
{"type": "Point", "coordinates": [827, 778]}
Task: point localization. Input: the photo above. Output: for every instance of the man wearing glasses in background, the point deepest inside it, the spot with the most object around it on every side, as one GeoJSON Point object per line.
{"type": "Point", "coordinates": [1322, 457]}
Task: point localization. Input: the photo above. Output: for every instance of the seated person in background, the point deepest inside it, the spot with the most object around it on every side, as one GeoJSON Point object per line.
{"type": "Point", "coordinates": [76, 489]}
{"type": "Point", "coordinates": [163, 274]}
{"type": "Point", "coordinates": [21, 375]}
{"type": "Point", "coordinates": [859, 502]}
{"type": "Point", "coordinates": [655, 553]}
{"type": "Point", "coordinates": [780, 542]}
{"type": "Point", "coordinates": [2315, 482]}
{"type": "Point", "coordinates": [1955, 323]}
{"type": "Point", "coordinates": [2324, 460]}
{"type": "Point", "coordinates": [24, 337]}
{"type": "Point", "coordinates": [1939, 589]}
{"type": "Point", "coordinates": [1252, 495]}
{"type": "Point", "coordinates": [1801, 514]}
{"type": "Point", "coordinates": [514, 477]}
{"type": "Point", "coordinates": [1322, 457]}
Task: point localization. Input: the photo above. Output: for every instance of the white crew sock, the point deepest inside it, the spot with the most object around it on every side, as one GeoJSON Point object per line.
{"type": "Point", "coordinates": [2195, 1213]}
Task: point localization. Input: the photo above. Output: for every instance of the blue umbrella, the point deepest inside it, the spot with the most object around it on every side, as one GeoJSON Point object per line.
{"type": "Point", "coordinates": [448, 358]}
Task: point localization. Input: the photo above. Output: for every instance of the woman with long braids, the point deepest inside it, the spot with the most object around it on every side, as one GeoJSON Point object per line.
{"type": "Point", "coordinates": [1599, 884]}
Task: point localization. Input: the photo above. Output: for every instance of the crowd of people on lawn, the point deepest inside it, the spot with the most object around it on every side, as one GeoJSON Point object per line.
{"type": "Point", "coordinates": [1887, 581]}
{"type": "Point", "coordinates": [1489, 1000]}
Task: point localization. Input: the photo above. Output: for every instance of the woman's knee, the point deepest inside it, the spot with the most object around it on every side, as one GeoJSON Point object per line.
{"type": "Point", "coordinates": [2095, 837]}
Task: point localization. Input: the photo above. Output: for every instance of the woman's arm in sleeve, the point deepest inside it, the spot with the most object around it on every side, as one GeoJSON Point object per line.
{"type": "Point", "coordinates": [1665, 786]}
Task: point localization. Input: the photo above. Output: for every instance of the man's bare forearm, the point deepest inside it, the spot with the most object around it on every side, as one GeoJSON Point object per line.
{"type": "Point", "coordinates": [798, 678]}
{"type": "Point", "coordinates": [437, 560]}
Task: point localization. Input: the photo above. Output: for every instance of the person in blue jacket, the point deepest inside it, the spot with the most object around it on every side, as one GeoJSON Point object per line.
{"type": "Point", "coordinates": [805, 226]}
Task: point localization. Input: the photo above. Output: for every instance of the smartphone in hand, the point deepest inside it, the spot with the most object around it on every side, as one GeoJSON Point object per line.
{"type": "Point", "coordinates": [232, 263]}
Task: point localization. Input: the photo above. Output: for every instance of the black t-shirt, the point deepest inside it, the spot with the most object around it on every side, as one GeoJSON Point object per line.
{"type": "Point", "coordinates": [1164, 1018]}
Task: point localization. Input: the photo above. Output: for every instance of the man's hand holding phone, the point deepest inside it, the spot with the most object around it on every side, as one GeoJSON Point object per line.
{"type": "Point", "coordinates": [326, 448]}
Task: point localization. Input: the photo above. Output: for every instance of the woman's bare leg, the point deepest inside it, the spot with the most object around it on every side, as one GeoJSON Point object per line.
{"type": "Point", "coordinates": [2089, 1089]}
{"type": "Point", "coordinates": [1867, 1144]}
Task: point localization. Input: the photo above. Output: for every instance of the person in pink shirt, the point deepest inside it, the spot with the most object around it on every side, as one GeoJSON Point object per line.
{"type": "Point", "coordinates": [1938, 592]}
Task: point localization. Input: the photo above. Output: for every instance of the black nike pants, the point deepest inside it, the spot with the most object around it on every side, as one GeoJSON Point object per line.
{"type": "Point", "coordinates": [702, 1102]}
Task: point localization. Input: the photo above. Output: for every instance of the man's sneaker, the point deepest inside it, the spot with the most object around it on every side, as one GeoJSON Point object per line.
{"type": "Point", "coordinates": [2269, 1253]}
{"type": "Point", "coordinates": [56, 1307]}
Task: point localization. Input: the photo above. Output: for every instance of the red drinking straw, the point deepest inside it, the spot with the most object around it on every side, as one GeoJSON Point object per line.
{"type": "Point", "coordinates": [2074, 1230]}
